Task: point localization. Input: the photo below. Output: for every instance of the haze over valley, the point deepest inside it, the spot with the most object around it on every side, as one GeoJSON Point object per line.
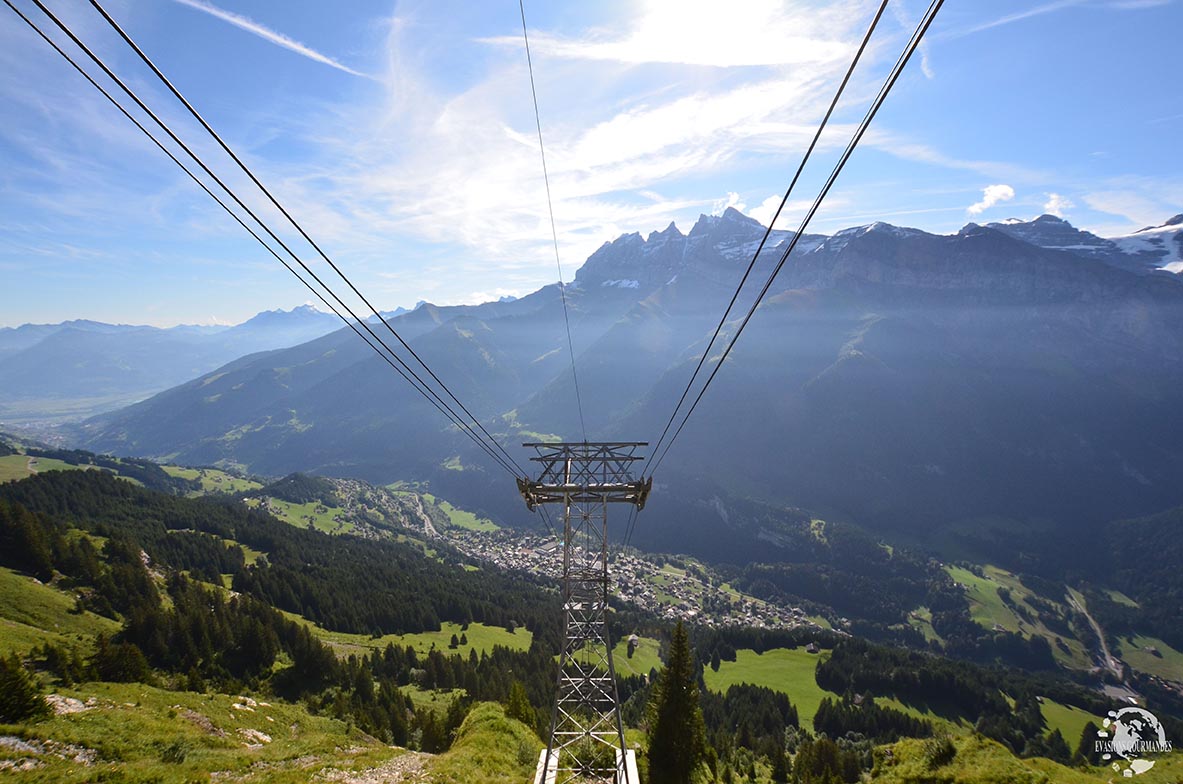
{"type": "Point", "coordinates": [504, 417]}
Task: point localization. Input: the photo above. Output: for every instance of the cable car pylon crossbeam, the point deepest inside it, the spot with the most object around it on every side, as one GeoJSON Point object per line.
{"type": "Point", "coordinates": [585, 723]}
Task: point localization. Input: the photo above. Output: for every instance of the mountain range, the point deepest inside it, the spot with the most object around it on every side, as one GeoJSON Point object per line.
{"type": "Point", "coordinates": [893, 378]}
{"type": "Point", "coordinates": [78, 368]}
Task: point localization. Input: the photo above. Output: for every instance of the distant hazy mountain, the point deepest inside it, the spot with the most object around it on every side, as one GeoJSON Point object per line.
{"type": "Point", "coordinates": [81, 367]}
{"type": "Point", "coordinates": [893, 377]}
{"type": "Point", "coordinates": [1147, 250]}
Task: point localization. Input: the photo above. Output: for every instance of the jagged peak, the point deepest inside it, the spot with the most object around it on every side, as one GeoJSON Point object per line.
{"type": "Point", "coordinates": [730, 216]}
{"type": "Point", "coordinates": [669, 232]}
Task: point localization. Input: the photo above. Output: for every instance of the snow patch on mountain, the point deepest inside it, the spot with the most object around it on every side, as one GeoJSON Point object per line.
{"type": "Point", "coordinates": [1163, 244]}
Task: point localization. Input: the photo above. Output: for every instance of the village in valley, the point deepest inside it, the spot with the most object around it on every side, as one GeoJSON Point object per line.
{"type": "Point", "coordinates": [668, 587]}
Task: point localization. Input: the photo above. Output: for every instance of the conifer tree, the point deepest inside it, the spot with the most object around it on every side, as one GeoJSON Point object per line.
{"type": "Point", "coordinates": [677, 735]}
{"type": "Point", "coordinates": [518, 705]}
{"type": "Point", "coordinates": [20, 697]}
{"type": "Point", "coordinates": [1084, 747]}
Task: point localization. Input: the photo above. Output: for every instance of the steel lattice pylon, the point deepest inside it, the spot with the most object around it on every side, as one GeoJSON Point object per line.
{"type": "Point", "coordinates": [587, 738]}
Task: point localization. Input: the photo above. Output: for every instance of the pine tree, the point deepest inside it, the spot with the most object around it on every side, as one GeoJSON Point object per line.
{"type": "Point", "coordinates": [518, 705]}
{"type": "Point", "coordinates": [677, 735]}
{"type": "Point", "coordinates": [1085, 755]}
{"type": "Point", "coordinates": [780, 768]}
{"type": "Point", "coordinates": [20, 697]}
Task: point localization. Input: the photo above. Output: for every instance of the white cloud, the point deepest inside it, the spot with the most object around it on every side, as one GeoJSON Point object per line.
{"type": "Point", "coordinates": [462, 168]}
{"type": "Point", "coordinates": [991, 195]}
{"type": "Point", "coordinates": [1019, 16]}
{"type": "Point", "coordinates": [790, 217]}
{"type": "Point", "coordinates": [722, 205]}
{"type": "Point", "coordinates": [695, 32]}
{"type": "Point", "coordinates": [267, 34]}
{"type": "Point", "coordinates": [910, 150]}
{"type": "Point", "coordinates": [1134, 205]}
{"type": "Point", "coordinates": [908, 23]}
{"type": "Point", "coordinates": [1057, 205]}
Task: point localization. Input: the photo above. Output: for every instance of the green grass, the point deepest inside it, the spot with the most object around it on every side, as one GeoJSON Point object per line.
{"type": "Point", "coordinates": [16, 467]}
{"type": "Point", "coordinates": [489, 748]}
{"type": "Point", "coordinates": [644, 659]}
{"type": "Point", "coordinates": [988, 609]}
{"type": "Point", "coordinates": [820, 621]}
{"type": "Point", "coordinates": [31, 614]}
{"type": "Point", "coordinates": [212, 480]}
{"type": "Point", "coordinates": [789, 671]}
{"type": "Point", "coordinates": [480, 637]}
{"type": "Point", "coordinates": [977, 761]}
{"type": "Point", "coordinates": [1069, 720]}
{"type": "Point", "coordinates": [954, 725]}
{"type": "Point", "coordinates": [462, 519]}
{"type": "Point", "coordinates": [433, 699]}
{"type": "Point", "coordinates": [313, 513]}
{"type": "Point", "coordinates": [921, 619]}
{"type": "Point", "coordinates": [13, 468]}
{"type": "Point", "coordinates": [1169, 666]}
{"type": "Point", "coordinates": [985, 605]}
{"type": "Point", "coordinates": [133, 727]}
{"type": "Point", "coordinates": [1121, 598]}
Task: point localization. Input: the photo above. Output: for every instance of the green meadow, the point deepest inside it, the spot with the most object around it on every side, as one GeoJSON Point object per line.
{"type": "Point", "coordinates": [32, 613]}
{"type": "Point", "coordinates": [789, 671]}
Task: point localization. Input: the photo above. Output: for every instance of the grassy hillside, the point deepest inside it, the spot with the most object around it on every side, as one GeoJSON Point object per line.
{"type": "Point", "coordinates": [212, 480]}
{"type": "Point", "coordinates": [646, 657]}
{"type": "Point", "coordinates": [981, 761]}
{"type": "Point", "coordinates": [137, 733]}
{"type": "Point", "coordinates": [789, 671]}
{"type": "Point", "coordinates": [489, 748]}
{"type": "Point", "coordinates": [32, 613]}
{"type": "Point", "coordinates": [480, 638]}
{"type": "Point", "coordinates": [16, 467]}
{"type": "Point", "coordinates": [988, 608]}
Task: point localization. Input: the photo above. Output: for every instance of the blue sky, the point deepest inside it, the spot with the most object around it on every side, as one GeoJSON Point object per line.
{"type": "Point", "coordinates": [402, 136]}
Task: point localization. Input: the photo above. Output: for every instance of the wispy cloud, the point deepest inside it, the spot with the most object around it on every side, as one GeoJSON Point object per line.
{"type": "Point", "coordinates": [1058, 5]}
{"type": "Point", "coordinates": [1137, 206]}
{"type": "Point", "coordinates": [693, 32]}
{"type": "Point", "coordinates": [991, 195]}
{"type": "Point", "coordinates": [267, 34]}
{"type": "Point", "coordinates": [1038, 10]}
{"type": "Point", "coordinates": [460, 168]}
{"type": "Point", "coordinates": [908, 23]}
{"type": "Point", "coordinates": [911, 150]}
